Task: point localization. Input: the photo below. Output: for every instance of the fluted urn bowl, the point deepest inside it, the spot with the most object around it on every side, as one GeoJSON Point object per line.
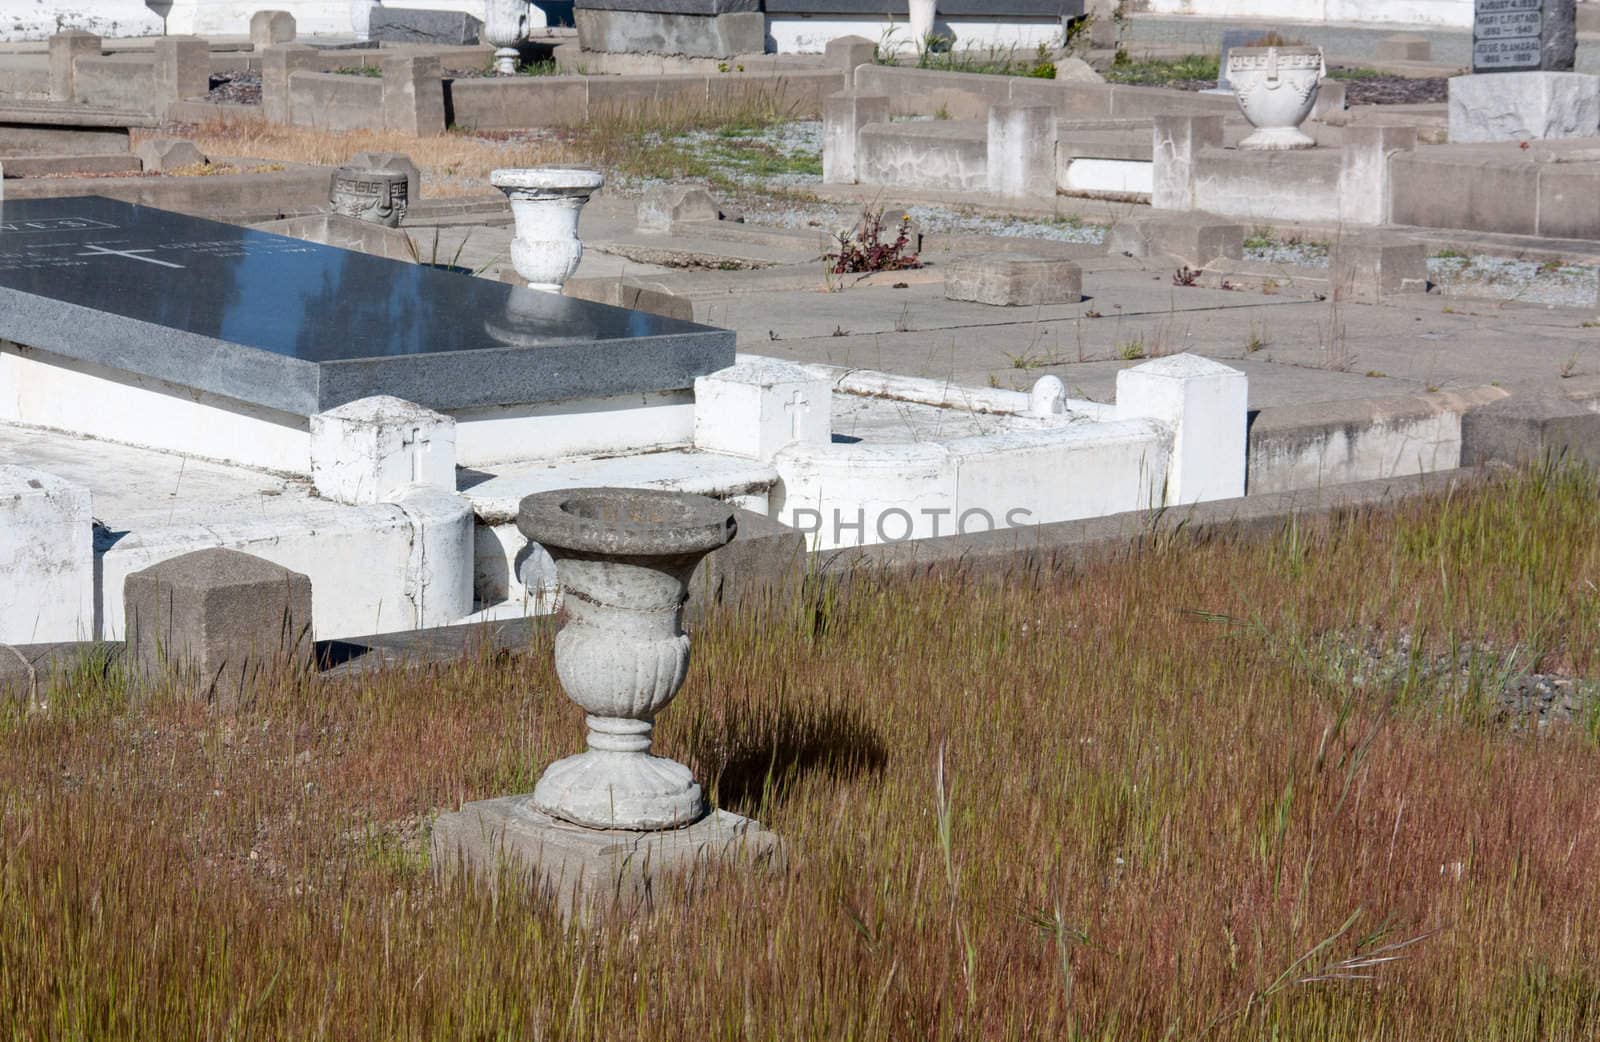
{"type": "Point", "coordinates": [623, 559]}
{"type": "Point", "coordinates": [1276, 88]}
{"type": "Point", "coordinates": [545, 203]}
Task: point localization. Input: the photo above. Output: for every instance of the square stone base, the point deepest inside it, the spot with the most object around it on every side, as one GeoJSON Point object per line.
{"type": "Point", "coordinates": [1013, 280]}
{"type": "Point", "coordinates": [1522, 106]}
{"type": "Point", "coordinates": [592, 870]}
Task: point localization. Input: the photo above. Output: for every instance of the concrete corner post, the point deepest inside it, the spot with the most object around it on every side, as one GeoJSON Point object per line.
{"type": "Point", "coordinates": [413, 95]}
{"type": "Point", "coordinates": [65, 50]}
{"type": "Point", "coordinates": [271, 27]}
{"type": "Point", "coordinates": [1179, 141]}
{"type": "Point", "coordinates": [755, 409]}
{"type": "Point", "coordinates": [1022, 151]}
{"type": "Point", "coordinates": [223, 620]}
{"type": "Point", "coordinates": [844, 114]}
{"type": "Point", "coordinates": [373, 449]}
{"type": "Point", "coordinates": [849, 53]}
{"type": "Point", "coordinates": [1368, 270]}
{"type": "Point", "coordinates": [1364, 186]}
{"type": "Point", "coordinates": [183, 68]}
{"type": "Point", "coordinates": [47, 558]}
{"type": "Point", "coordinates": [1205, 403]}
{"type": "Point", "coordinates": [278, 63]}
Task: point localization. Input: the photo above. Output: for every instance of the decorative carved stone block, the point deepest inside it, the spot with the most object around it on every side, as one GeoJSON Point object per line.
{"type": "Point", "coordinates": [379, 196]}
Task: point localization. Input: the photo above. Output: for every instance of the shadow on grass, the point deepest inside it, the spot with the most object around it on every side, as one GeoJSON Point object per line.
{"type": "Point", "coordinates": [768, 756]}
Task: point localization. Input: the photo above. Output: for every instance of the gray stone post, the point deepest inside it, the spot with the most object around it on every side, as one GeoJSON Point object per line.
{"type": "Point", "coordinates": [1022, 151]}
{"type": "Point", "coordinates": [223, 620]}
{"type": "Point", "coordinates": [413, 95]}
{"type": "Point", "coordinates": [1364, 171]}
{"type": "Point", "coordinates": [1178, 143]}
{"type": "Point", "coordinates": [278, 63]}
{"type": "Point", "coordinates": [843, 116]}
{"type": "Point", "coordinates": [183, 69]}
{"type": "Point", "coordinates": [65, 50]}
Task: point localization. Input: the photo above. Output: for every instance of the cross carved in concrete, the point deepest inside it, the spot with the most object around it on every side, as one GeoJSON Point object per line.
{"type": "Point", "coordinates": [796, 407]}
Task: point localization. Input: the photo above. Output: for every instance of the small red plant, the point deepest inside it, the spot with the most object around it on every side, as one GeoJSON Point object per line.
{"type": "Point", "coordinates": [863, 249]}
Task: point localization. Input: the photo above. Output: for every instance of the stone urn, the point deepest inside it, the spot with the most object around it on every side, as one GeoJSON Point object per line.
{"type": "Point", "coordinates": [375, 196]}
{"type": "Point", "coordinates": [505, 25]}
{"type": "Point", "coordinates": [922, 12]}
{"type": "Point", "coordinates": [623, 558]}
{"type": "Point", "coordinates": [1276, 88]}
{"type": "Point", "coordinates": [545, 202]}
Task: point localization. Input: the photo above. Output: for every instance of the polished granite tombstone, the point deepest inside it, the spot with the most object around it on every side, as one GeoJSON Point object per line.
{"type": "Point", "coordinates": [301, 327]}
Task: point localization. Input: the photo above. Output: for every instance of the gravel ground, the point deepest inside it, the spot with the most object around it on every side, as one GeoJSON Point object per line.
{"type": "Point", "coordinates": [1299, 254]}
{"type": "Point", "coordinates": [1397, 90]}
{"type": "Point", "coordinates": [1514, 697]}
{"type": "Point", "coordinates": [1367, 90]}
{"type": "Point", "coordinates": [236, 88]}
{"type": "Point", "coordinates": [1530, 282]}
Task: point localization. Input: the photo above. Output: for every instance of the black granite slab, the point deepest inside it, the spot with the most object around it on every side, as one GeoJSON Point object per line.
{"type": "Point", "coordinates": [301, 328]}
{"type": "Point", "coordinates": [947, 8]}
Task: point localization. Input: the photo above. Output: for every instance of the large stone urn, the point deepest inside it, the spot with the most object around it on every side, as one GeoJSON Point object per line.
{"type": "Point", "coordinates": [505, 25]}
{"type": "Point", "coordinates": [545, 203]}
{"type": "Point", "coordinates": [1276, 88]}
{"type": "Point", "coordinates": [623, 558]}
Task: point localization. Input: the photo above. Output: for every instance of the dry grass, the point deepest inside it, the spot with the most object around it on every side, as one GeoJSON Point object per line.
{"type": "Point", "coordinates": [634, 139]}
{"type": "Point", "coordinates": [1130, 804]}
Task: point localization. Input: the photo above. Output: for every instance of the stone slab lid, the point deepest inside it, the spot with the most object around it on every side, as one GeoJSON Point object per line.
{"type": "Point", "coordinates": [301, 327]}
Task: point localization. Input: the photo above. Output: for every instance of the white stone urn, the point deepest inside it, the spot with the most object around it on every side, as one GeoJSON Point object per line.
{"type": "Point", "coordinates": [922, 12]}
{"type": "Point", "coordinates": [623, 558]}
{"type": "Point", "coordinates": [361, 17]}
{"type": "Point", "coordinates": [505, 25]}
{"type": "Point", "coordinates": [545, 203]}
{"type": "Point", "coordinates": [1276, 88]}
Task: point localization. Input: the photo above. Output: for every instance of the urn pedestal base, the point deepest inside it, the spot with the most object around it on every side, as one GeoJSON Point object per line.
{"type": "Point", "coordinates": [1276, 139]}
{"type": "Point", "coordinates": [606, 790]}
{"type": "Point", "coordinates": [588, 871]}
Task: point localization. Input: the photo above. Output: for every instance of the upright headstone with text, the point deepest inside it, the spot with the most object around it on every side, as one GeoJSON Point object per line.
{"type": "Point", "coordinates": [1523, 87]}
{"type": "Point", "coordinates": [1519, 35]}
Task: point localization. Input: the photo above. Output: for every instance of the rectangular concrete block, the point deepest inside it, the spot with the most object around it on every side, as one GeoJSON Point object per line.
{"type": "Point", "coordinates": [1205, 403]}
{"type": "Point", "coordinates": [755, 409]}
{"type": "Point", "coordinates": [1196, 239]}
{"type": "Point", "coordinates": [278, 63]}
{"type": "Point", "coordinates": [1364, 178]}
{"type": "Point", "coordinates": [1013, 280]}
{"type": "Point", "coordinates": [849, 52]}
{"type": "Point", "coordinates": [224, 621]}
{"type": "Point", "coordinates": [271, 27]}
{"type": "Point", "coordinates": [1022, 151]}
{"type": "Point", "coordinates": [1530, 428]}
{"type": "Point", "coordinates": [1370, 270]}
{"type": "Point", "coordinates": [406, 25]}
{"type": "Point", "coordinates": [589, 872]}
{"type": "Point", "coordinates": [766, 560]}
{"type": "Point", "coordinates": [1437, 189]}
{"type": "Point", "coordinates": [1520, 106]}
{"type": "Point", "coordinates": [374, 449]}
{"type": "Point", "coordinates": [1176, 149]}
{"type": "Point", "coordinates": [843, 116]}
{"type": "Point", "coordinates": [183, 68]}
{"type": "Point", "coordinates": [686, 35]}
{"type": "Point", "coordinates": [65, 50]}
{"type": "Point", "coordinates": [413, 95]}
{"type": "Point", "coordinates": [1405, 47]}
{"type": "Point", "coordinates": [46, 557]}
